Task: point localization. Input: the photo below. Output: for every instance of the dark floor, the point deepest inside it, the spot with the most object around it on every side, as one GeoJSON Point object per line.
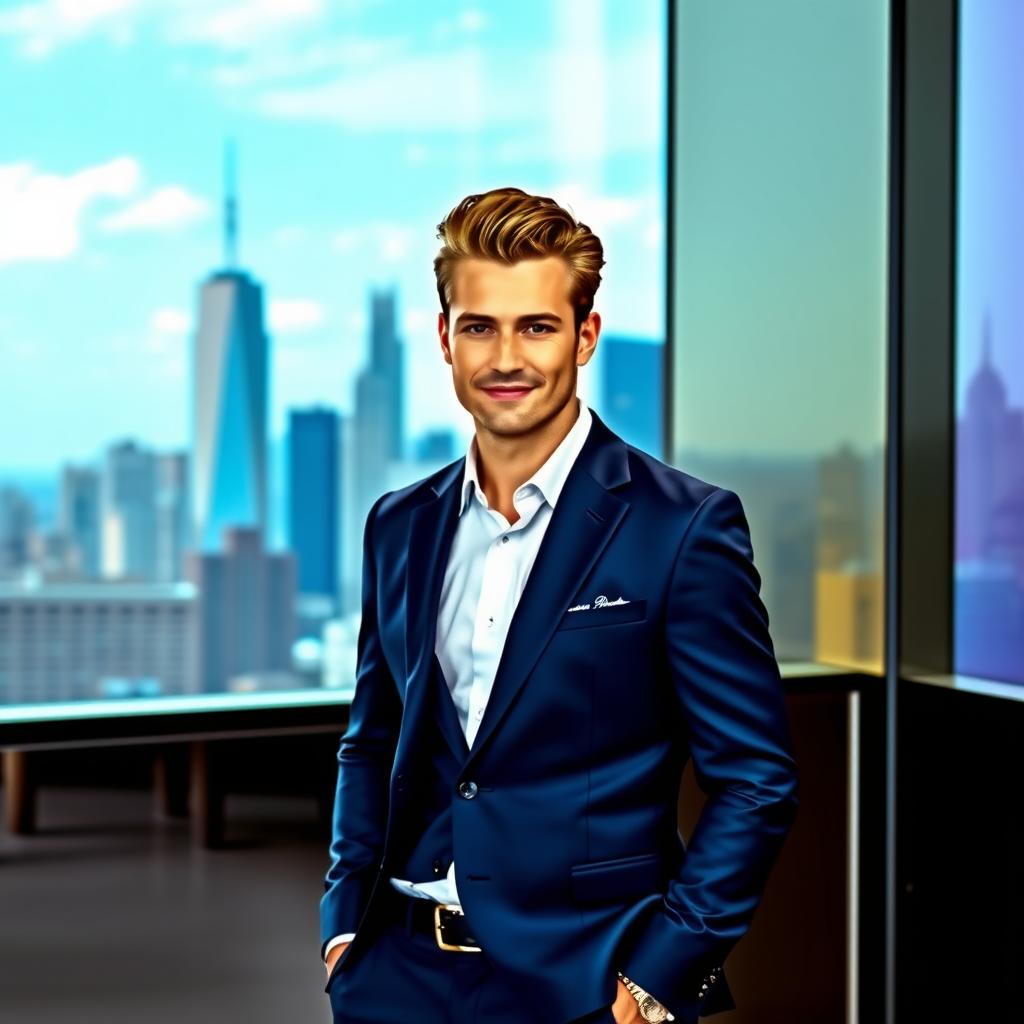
{"type": "Point", "coordinates": [110, 914]}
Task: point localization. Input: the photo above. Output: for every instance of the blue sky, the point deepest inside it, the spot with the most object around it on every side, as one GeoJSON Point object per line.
{"type": "Point", "coordinates": [358, 124]}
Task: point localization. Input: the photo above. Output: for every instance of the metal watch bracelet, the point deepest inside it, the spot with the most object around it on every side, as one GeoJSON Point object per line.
{"type": "Point", "coordinates": [650, 1009]}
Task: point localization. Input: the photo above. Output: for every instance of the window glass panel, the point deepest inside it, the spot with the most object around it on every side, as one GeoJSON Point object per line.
{"type": "Point", "coordinates": [779, 300]}
{"type": "Point", "coordinates": [218, 329]}
{"type": "Point", "coordinates": [989, 561]}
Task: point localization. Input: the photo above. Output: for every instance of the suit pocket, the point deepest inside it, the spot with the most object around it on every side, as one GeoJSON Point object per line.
{"type": "Point", "coordinates": [607, 615]}
{"type": "Point", "coordinates": [617, 879]}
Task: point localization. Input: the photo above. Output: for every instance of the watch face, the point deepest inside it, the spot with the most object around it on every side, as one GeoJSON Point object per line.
{"type": "Point", "coordinates": [651, 1009]}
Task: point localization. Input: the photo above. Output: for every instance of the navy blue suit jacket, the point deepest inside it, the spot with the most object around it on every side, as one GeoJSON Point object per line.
{"type": "Point", "coordinates": [569, 862]}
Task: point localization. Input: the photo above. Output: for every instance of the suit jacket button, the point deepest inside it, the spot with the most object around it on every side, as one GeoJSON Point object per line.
{"type": "Point", "coordinates": [437, 867]}
{"type": "Point", "coordinates": [467, 789]}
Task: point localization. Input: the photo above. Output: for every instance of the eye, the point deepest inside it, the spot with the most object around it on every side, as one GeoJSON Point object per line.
{"type": "Point", "coordinates": [545, 328]}
{"type": "Point", "coordinates": [469, 329]}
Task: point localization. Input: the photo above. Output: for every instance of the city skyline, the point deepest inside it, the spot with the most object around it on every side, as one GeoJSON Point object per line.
{"type": "Point", "coordinates": [988, 612]}
{"type": "Point", "coordinates": [354, 139]}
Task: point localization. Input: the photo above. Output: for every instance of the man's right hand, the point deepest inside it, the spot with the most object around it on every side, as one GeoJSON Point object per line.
{"type": "Point", "coordinates": [333, 955]}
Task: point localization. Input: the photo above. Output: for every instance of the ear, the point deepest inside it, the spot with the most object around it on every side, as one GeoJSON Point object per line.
{"type": "Point", "coordinates": [442, 334]}
{"type": "Point", "coordinates": [590, 329]}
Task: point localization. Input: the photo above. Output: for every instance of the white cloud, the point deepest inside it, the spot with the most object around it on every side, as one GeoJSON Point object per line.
{"type": "Point", "coordinates": [41, 212]}
{"type": "Point", "coordinates": [43, 27]}
{"type": "Point", "coordinates": [419, 322]}
{"type": "Point", "coordinates": [240, 24]}
{"type": "Point", "coordinates": [279, 61]}
{"type": "Point", "coordinates": [287, 315]}
{"type": "Point", "coordinates": [313, 60]}
{"type": "Point", "coordinates": [599, 212]}
{"type": "Point", "coordinates": [452, 90]}
{"type": "Point", "coordinates": [169, 320]}
{"type": "Point", "coordinates": [166, 208]}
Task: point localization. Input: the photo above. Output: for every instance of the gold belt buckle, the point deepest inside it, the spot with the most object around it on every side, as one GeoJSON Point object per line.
{"type": "Point", "coordinates": [452, 908]}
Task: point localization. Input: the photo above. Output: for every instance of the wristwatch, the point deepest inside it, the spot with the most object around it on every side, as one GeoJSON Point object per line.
{"type": "Point", "coordinates": [650, 1009]}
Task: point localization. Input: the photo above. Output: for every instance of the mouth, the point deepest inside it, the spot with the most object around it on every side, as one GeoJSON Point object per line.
{"type": "Point", "coordinates": [507, 394]}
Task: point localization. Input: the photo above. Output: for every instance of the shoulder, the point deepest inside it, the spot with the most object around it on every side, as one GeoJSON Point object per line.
{"type": "Point", "coordinates": [683, 512]}
{"type": "Point", "coordinates": [669, 492]}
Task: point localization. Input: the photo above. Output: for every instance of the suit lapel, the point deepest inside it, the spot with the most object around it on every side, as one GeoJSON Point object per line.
{"type": "Point", "coordinates": [431, 533]}
{"type": "Point", "coordinates": [584, 520]}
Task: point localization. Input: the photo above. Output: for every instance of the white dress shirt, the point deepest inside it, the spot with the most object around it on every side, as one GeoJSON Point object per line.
{"type": "Point", "coordinates": [487, 570]}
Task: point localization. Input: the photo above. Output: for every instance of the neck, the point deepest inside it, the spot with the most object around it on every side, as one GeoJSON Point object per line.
{"type": "Point", "coordinates": [505, 463]}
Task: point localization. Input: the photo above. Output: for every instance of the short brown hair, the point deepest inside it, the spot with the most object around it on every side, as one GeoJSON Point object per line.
{"type": "Point", "coordinates": [508, 224]}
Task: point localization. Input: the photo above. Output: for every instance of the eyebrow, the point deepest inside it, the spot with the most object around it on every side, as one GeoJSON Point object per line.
{"type": "Point", "coordinates": [526, 318]}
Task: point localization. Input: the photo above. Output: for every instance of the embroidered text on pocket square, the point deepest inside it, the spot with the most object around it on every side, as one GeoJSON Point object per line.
{"type": "Point", "coordinates": [609, 614]}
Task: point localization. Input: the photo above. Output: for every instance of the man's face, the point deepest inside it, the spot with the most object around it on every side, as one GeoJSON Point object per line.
{"type": "Point", "coordinates": [511, 342]}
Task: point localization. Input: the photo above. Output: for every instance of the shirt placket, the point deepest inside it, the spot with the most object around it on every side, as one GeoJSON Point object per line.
{"type": "Point", "coordinates": [493, 608]}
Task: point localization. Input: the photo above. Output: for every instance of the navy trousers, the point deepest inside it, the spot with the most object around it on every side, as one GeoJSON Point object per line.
{"type": "Point", "coordinates": [403, 976]}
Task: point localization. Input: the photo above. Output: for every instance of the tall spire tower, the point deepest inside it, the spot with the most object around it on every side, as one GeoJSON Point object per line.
{"type": "Point", "coordinates": [231, 360]}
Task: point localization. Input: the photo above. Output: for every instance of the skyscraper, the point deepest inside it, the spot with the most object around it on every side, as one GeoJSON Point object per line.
{"type": "Point", "coordinates": [129, 512]}
{"type": "Point", "coordinates": [246, 621]}
{"type": "Point", "coordinates": [230, 398]}
{"type": "Point", "coordinates": [378, 435]}
{"type": "Point", "coordinates": [386, 360]}
{"type": "Point", "coordinates": [16, 524]}
{"type": "Point", "coordinates": [313, 498]}
{"type": "Point", "coordinates": [172, 518]}
{"type": "Point", "coordinates": [631, 395]}
{"type": "Point", "coordinates": [79, 518]}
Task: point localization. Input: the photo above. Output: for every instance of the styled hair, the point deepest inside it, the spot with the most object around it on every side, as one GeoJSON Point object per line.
{"type": "Point", "coordinates": [509, 225]}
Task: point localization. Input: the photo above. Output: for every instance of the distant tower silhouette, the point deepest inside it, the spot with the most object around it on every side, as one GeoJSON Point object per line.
{"type": "Point", "coordinates": [378, 432]}
{"type": "Point", "coordinates": [386, 362]}
{"type": "Point", "coordinates": [229, 394]}
{"type": "Point", "coordinates": [989, 439]}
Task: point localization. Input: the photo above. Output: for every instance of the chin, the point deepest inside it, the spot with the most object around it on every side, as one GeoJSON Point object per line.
{"type": "Point", "coordinates": [509, 422]}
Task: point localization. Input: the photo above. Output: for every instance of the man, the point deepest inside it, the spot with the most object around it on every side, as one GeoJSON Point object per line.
{"type": "Point", "coordinates": [552, 625]}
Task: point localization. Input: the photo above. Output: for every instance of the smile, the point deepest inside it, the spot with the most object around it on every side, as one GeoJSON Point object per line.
{"type": "Point", "coordinates": [507, 394]}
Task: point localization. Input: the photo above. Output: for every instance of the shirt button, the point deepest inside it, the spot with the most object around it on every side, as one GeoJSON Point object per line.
{"type": "Point", "coordinates": [504, 539]}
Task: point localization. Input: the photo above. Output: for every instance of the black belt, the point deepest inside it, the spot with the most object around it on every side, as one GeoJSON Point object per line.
{"type": "Point", "coordinates": [443, 922]}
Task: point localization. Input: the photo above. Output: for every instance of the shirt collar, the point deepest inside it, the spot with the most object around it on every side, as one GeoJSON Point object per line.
{"type": "Point", "coordinates": [550, 477]}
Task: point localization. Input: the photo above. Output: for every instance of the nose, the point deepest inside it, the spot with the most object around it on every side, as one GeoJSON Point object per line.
{"type": "Point", "coordinates": [508, 357]}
